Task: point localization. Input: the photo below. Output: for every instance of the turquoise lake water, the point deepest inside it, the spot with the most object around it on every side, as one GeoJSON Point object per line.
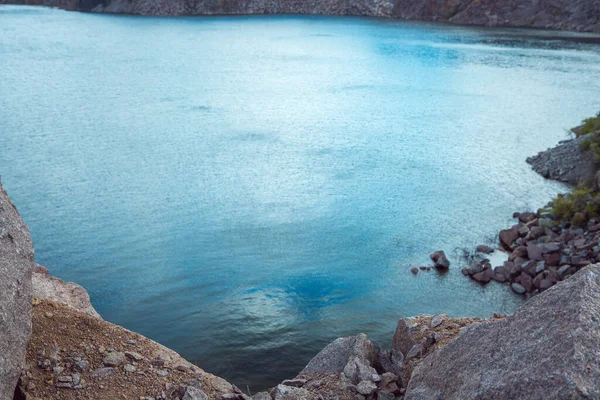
{"type": "Point", "coordinates": [247, 189]}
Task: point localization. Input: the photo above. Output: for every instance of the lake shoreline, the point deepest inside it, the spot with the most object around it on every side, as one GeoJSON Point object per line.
{"type": "Point", "coordinates": [546, 15]}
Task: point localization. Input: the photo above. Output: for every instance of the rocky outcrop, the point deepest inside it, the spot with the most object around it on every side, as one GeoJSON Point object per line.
{"type": "Point", "coordinates": [16, 264]}
{"type": "Point", "coordinates": [50, 288]}
{"type": "Point", "coordinates": [351, 368]}
{"type": "Point", "coordinates": [550, 349]}
{"type": "Point", "coordinates": [567, 162]}
{"type": "Point", "coordinates": [570, 15]}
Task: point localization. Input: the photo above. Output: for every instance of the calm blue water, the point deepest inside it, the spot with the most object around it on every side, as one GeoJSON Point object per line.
{"type": "Point", "coordinates": [245, 190]}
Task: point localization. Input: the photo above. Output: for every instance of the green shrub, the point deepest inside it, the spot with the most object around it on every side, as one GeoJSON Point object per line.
{"type": "Point", "coordinates": [589, 125]}
{"type": "Point", "coordinates": [576, 207]}
{"type": "Point", "coordinates": [578, 220]}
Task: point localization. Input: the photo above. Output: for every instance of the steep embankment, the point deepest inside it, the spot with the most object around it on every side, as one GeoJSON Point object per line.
{"type": "Point", "coordinates": [583, 16]}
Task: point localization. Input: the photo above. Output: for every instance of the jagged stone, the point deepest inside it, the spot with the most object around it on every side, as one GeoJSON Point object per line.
{"type": "Point", "coordinates": [282, 392]}
{"type": "Point", "coordinates": [193, 393]}
{"type": "Point", "coordinates": [550, 349]}
{"type": "Point", "coordinates": [334, 358]}
{"type": "Point", "coordinates": [402, 340]}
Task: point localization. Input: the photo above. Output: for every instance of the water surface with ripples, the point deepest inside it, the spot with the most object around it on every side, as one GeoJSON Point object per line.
{"type": "Point", "coordinates": [246, 189]}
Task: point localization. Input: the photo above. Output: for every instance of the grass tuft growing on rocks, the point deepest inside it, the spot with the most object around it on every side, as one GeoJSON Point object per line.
{"type": "Point", "coordinates": [577, 207]}
{"type": "Point", "coordinates": [590, 127]}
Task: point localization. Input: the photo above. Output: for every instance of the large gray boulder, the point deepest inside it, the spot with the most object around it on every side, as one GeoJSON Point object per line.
{"type": "Point", "coordinates": [334, 358]}
{"type": "Point", "coordinates": [16, 264]}
{"type": "Point", "coordinates": [549, 349]}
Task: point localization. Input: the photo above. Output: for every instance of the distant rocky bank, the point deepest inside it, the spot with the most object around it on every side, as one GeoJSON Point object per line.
{"type": "Point", "coordinates": [568, 15]}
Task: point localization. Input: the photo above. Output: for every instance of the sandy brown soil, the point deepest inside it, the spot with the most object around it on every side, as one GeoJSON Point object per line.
{"type": "Point", "coordinates": [62, 337]}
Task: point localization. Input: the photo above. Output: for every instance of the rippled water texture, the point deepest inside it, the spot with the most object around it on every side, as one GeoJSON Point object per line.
{"type": "Point", "coordinates": [245, 190]}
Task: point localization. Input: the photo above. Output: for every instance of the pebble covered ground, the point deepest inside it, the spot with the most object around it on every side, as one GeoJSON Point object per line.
{"type": "Point", "coordinates": [73, 355]}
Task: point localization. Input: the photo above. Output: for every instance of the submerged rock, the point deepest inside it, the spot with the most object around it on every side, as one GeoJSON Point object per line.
{"type": "Point", "coordinates": [549, 349]}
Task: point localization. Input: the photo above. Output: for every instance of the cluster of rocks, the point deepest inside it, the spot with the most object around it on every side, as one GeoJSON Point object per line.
{"type": "Point", "coordinates": [567, 162]}
{"type": "Point", "coordinates": [440, 263]}
{"type": "Point", "coordinates": [542, 253]}
{"type": "Point", "coordinates": [351, 368]}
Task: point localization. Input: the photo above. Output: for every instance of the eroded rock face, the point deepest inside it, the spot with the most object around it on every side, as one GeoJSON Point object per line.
{"type": "Point", "coordinates": [16, 264]}
{"type": "Point", "coordinates": [550, 349]}
{"type": "Point", "coordinates": [47, 287]}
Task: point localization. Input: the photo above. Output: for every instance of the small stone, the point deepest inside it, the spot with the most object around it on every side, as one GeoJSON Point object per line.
{"type": "Point", "coordinates": [385, 396]}
{"type": "Point", "coordinates": [114, 359]}
{"type": "Point", "coordinates": [437, 320]}
{"type": "Point", "coordinates": [82, 366]}
{"type": "Point", "coordinates": [551, 247]}
{"type": "Point", "coordinates": [182, 368]}
{"type": "Point", "coordinates": [134, 356]}
{"type": "Point", "coordinates": [129, 368]}
{"type": "Point", "coordinates": [102, 372]}
{"type": "Point", "coordinates": [131, 341]}
{"type": "Point", "coordinates": [30, 386]}
{"type": "Point", "coordinates": [415, 351]}
{"type": "Point", "coordinates": [65, 378]}
{"type": "Point", "coordinates": [193, 393]}
{"type": "Point", "coordinates": [482, 248]}
{"type": "Point", "coordinates": [294, 382]}
{"type": "Point", "coordinates": [57, 370]}
{"type": "Point", "coordinates": [76, 379]}
{"type": "Point", "coordinates": [162, 372]}
{"type": "Point", "coordinates": [366, 387]}
{"type": "Point", "coordinates": [414, 270]}
{"type": "Point", "coordinates": [517, 288]}
{"type": "Point", "coordinates": [545, 284]}
{"type": "Point", "coordinates": [48, 314]}
{"type": "Point", "coordinates": [534, 252]}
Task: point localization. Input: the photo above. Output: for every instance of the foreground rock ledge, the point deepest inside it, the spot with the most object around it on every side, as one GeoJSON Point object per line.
{"type": "Point", "coordinates": [549, 349]}
{"type": "Point", "coordinates": [16, 264]}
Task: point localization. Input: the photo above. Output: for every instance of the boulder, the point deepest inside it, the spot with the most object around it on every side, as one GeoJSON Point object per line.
{"type": "Point", "coordinates": [402, 340]}
{"type": "Point", "coordinates": [482, 248]}
{"type": "Point", "coordinates": [549, 349]}
{"type": "Point", "coordinates": [334, 357]}
{"type": "Point", "coordinates": [282, 392]}
{"type": "Point", "coordinates": [508, 237]}
{"type": "Point", "coordinates": [534, 252]}
{"type": "Point", "coordinates": [16, 265]}
{"type": "Point", "coordinates": [193, 393]}
{"type": "Point", "coordinates": [440, 260]}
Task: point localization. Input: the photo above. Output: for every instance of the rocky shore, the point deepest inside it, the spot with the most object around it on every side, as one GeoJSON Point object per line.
{"type": "Point", "coordinates": [542, 253]}
{"type": "Point", "coordinates": [582, 16]}
{"type": "Point", "coordinates": [567, 162]}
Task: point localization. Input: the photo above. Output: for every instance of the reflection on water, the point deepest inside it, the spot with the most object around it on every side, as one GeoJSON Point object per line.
{"type": "Point", "coordinates": [245, 190]}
